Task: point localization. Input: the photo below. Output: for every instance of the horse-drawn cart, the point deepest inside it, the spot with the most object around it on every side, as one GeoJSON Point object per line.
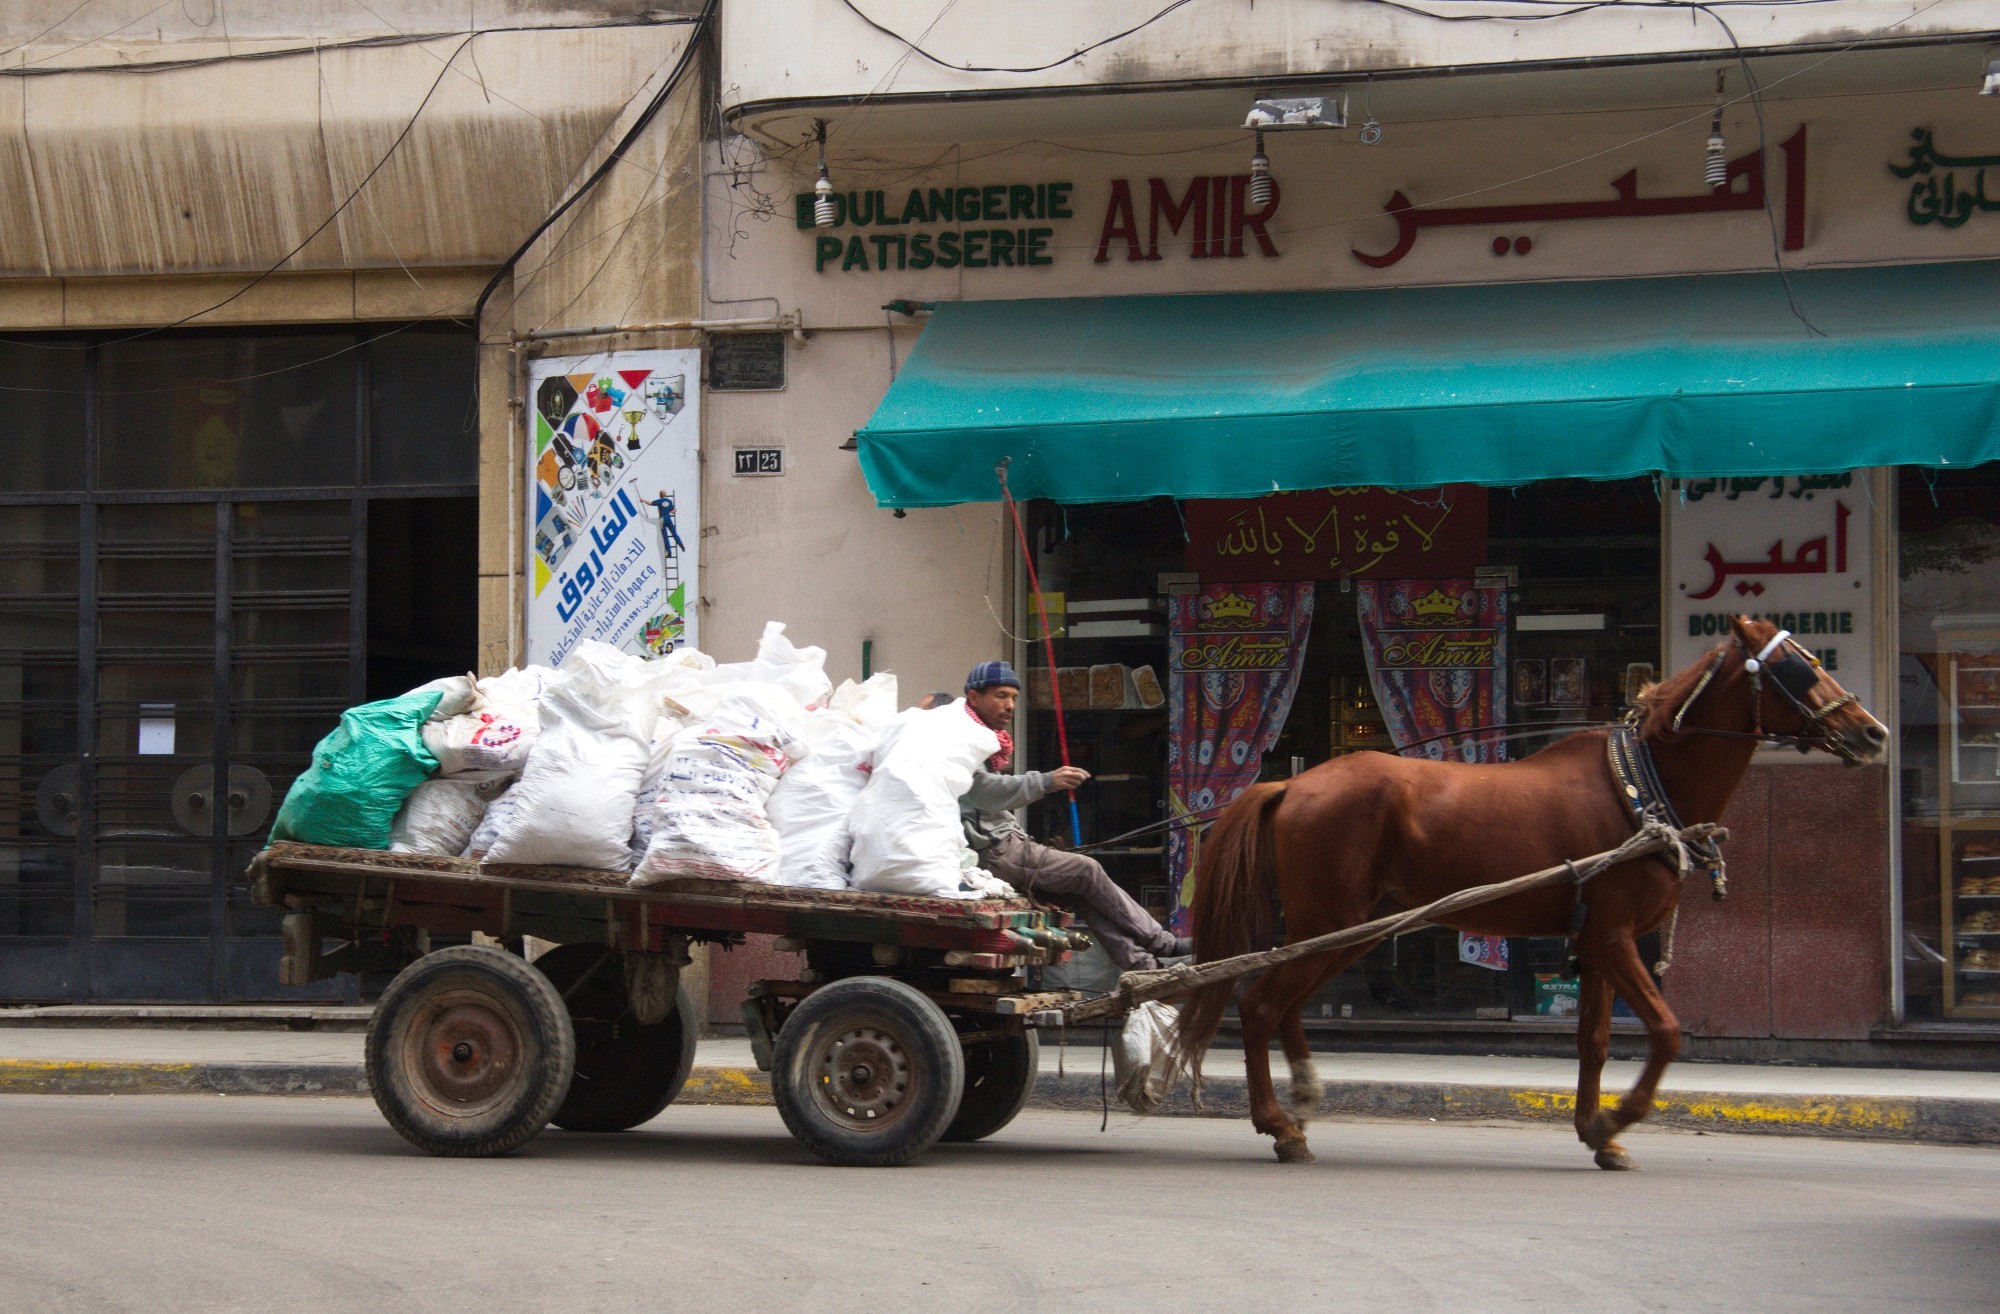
{"type": "Point", "coordinates": [909, 1024]}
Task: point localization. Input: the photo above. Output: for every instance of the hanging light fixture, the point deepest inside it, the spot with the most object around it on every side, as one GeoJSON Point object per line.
{"type": "Point", "coordinates": [1281, 114]}
{"type": "Point", "coordinates": [823, 208]}
{"type": "Point", "coordinates": [1260, 175]}
{"type": "Point", "coordinates": [1717, 171]}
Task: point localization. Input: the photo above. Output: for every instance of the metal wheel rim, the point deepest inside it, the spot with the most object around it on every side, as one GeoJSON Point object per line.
{"type": "Point", "coordinates": [465, 1051]}
{"type": "Point", "coordinates": [862, 1077]}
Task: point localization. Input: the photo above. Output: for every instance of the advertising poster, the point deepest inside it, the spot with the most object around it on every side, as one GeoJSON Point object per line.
{"type": "Point", "coordinates": [1234, 656]}
{"type": "Point", "coordinates": [613, 502]}
{"type": "Point", "coordinates": [1795, 550]}
{"type": "Point", "coordinates": [1437, 658]}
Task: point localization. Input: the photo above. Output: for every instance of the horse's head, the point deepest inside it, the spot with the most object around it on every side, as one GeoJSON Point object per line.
{"type": "Point", "coordinates": [1793, 700]}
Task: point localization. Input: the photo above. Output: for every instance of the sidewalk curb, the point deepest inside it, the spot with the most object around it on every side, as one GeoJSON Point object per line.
{"type": "Point", "coordinates": [1936, 1120]}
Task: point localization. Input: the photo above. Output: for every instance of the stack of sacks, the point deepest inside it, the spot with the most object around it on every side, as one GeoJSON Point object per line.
{"type": "Point", "coordinates": [737, 736]}
{"type": "Point", "coordinates": [811, 803]}
{"type": "Point", "coordinates": [906, 829]}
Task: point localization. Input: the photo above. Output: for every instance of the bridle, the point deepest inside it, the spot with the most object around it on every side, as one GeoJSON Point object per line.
{"type": "Point", "coordinates": [1794, 673]}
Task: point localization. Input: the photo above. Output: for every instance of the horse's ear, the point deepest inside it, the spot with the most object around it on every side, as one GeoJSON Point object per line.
{"type": "Point", "coordinates": [1741, 624]}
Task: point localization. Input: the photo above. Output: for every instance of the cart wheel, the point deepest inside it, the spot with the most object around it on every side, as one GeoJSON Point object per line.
{"type": "Point", "coordinates": [625, 1072]}
{"type": "Point", "coordinates": [999, 1077]}
{"type": "Point", "coordinates": [867, 1072]}
{"type": "Point", "coordinates": [469, 1052]}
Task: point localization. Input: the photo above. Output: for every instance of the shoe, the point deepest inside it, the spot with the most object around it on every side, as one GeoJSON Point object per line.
{"type": "Point", "coordinates": [1183, 947]}
{"type": "Point", "coordinates": [1177, 960]}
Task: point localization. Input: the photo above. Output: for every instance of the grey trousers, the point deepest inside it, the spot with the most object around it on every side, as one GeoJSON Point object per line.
{"type": "Point", "coordinates": [1078, 884]}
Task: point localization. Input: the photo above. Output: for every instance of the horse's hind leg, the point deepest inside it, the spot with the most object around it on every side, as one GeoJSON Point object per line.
{"type": "Point", "coordinates": [1634, 984]}
{"type": "Point", "coordinates": [1593, 1046]}
{"type": "Point", "coordinates": [1306, 1087]}
{"type": "Point", "coordinates": [1271, 1006]}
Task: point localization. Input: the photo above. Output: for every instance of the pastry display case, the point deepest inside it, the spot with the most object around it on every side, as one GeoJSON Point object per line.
{"type": "Point", "coordinates": [1968, 679]}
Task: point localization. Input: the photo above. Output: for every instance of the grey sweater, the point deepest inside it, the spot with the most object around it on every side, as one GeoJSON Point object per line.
{"type": "Point", "coordinates": [987, 809]}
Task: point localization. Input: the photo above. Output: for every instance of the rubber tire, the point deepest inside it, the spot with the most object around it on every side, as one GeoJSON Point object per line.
{"type": "Point", "coordinates": [624, 1082]}
{"type": "Point", "coordinates": [999, 1077]}
{"type": "Point", "coordinates": [924, 1038]}
{"type": "Point", "coordinates": [514, 996]}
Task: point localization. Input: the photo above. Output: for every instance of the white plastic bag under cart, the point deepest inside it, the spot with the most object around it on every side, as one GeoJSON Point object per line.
{"type": "Point", "coordinates": [440, 816]}
{"type": "Point", "coordinates": [573, 804]}
{"type": "Point", "coordinates": [1140, 1060]}
{"type": "Point", "coordinates": [710, 817]}
{"type": "Point", "coordinates": [810, 805]}
{"type": "Point", "coordinates": [906, 829]}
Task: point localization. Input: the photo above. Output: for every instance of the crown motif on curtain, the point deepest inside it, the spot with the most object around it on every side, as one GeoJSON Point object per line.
{"type": "Point", "coordinates": [1435, 605]}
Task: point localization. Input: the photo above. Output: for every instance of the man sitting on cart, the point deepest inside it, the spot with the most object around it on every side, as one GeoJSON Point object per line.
{"type": "Point", "coordinates": [1071, 880]}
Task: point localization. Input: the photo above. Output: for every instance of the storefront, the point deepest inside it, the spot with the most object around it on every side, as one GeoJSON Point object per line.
{"type": "Point", "coordinates": [1259, 447]}
{"type": "Point", "coordinates": [218, 540]}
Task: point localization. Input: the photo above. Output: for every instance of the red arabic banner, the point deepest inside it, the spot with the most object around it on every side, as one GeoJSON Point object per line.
{"type": "Point", "coordinates": [1234, 656]}
{"type": "Point", "coordinates": [1331, 533]}
{"type": "Point", "coordinates": [1437, 651]}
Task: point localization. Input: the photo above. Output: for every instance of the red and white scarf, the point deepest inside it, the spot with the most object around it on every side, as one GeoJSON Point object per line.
{"type": "Point", "coordinates": [1001, 760]}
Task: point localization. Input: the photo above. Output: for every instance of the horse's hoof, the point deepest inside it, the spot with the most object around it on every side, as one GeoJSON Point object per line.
{"type": "Point", "coordinates": [1614, 1160]}
{"type": "Point", "coordinates": [1295, 1152]}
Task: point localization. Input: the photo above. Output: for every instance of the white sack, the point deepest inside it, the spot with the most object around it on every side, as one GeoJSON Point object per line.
{"type": "Point", "coordinates": [499, 813]}
{"type": "Point", "coordinates": [573, 805]}
{"type": "Point", "coordinates": [907, 834]}
{"type": "Point", "coordinates": [457, 695]}
{"type": "Point", "coordinates": [800, 672]}
{"type": "Point", "coordinates": [491, 743]}
{"type": "Point", "coordinates": [1140, 1058]}
{"type": "Point", "coordinates": [710, 818]}
{"type": "Point", "coordinates": [661, 743]}
{"type": "Point", "coordinates": [810, 805]}
{"type": "Point", "coordinates": [440, 816]}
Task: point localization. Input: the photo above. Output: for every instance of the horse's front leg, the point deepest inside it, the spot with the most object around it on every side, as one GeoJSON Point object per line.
{"type": "Point", "coordinates": [1635, 985]}
{"type": "Point", "coordinates": [1593, 1046]}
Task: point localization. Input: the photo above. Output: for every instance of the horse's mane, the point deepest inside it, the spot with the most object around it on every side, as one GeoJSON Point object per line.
{"type": "Point", "coordinates": [1659, 702]}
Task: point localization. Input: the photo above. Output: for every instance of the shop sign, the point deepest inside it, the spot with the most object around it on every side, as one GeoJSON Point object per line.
{"type": "Point", "coordinates": [1625, 202]}
{"type": "Point", "coordinates": [1012, 225]}
{"type": "Point", "coordinates": [613, 479]}
{"type": "Point", "coordinates": [1794, 550]}
{"type": "Point", "coordinates": [1950, 198]}
{"type": "Point", "coordinates": [1339, 533]}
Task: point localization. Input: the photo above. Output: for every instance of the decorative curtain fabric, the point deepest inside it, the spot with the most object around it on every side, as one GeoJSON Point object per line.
{"type": "Point", "coordinates": [1437, 657]}
{"type": "Point", "coordinates": [1234, 656]}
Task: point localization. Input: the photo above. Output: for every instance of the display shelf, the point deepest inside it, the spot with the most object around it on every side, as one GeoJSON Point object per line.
{"type": "Point", "coordinates": [1967, 669]}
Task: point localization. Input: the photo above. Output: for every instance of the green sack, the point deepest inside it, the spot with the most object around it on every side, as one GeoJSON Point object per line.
{"type": "Point", "coordinates": [360, 775]}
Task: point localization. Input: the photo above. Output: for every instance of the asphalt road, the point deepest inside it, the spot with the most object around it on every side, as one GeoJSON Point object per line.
{"type": "Point", "coordinates": [227, 1203]}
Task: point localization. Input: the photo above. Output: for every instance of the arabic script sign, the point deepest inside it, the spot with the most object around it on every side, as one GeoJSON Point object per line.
{"type": "Point", "coordinates": [1794, 550]}
{"type": "Point", "coordinates": [1939, 193]}
{"type": "Point", "coordinates": [1331, 533]}
{"type": "Point", "coordinates": [612, 483]}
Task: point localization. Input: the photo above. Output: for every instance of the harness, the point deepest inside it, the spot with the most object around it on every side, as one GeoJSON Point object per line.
{"type": "Point", "coordinates": [1794, 673]}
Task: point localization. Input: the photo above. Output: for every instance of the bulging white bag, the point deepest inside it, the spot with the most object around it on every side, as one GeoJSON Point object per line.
{"type": "Point", "coordinates": [906, 829]}
{"type": "Point", "coordinates": [800, 672]}
{"type": "Point", "coordinates": [440, 816]}
{"type": "Point", "coordinates": [809, 807]}
{"type": "Point", "coordinates": [710, 818]}
{"type": "Point", "coordinates": [491, 743]}
{"type": "Point", "coordinates": [1140, 1059]}
{"type": "Point", "coordinates": [499, 813]}
{"type": "Point", "coordinates": [573, 804]}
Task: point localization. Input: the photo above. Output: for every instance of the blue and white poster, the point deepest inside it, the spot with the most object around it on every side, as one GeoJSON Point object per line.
{"type": "Point", "coordinates": [614, 443]}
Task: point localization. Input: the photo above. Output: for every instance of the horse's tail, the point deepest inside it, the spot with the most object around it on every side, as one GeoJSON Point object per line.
{"type": "Point", "coordinates": [1234, 892]}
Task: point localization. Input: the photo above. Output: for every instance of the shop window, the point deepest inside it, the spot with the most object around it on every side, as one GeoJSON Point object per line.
{"type": "Point", "coordinates": [1572, 567]}
{"type": "Point", "coordinates": [41, 424]}
{"type": "Point", "coordinates": [271, 410]}
{"type": "Point", "coordinates": [423, 413]}
{"type": "Point", "coordinates": [1948, 670]}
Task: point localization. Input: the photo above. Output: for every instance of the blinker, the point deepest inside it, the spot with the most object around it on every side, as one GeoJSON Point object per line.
{"type": "Point", "coordinates": [1794, 675]}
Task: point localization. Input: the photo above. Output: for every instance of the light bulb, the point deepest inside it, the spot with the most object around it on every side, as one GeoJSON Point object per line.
{"type": "Point", "coordinates": [823, 202]}
{"type": "Point", "coordinates": [1260, 176]}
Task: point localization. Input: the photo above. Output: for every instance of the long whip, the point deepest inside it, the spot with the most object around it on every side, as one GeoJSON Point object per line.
{"type": "Point", "coordinates": [1048, 641]}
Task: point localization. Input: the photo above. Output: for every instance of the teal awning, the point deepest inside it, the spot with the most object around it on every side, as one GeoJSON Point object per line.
{"type": "Point", "coordinates": [1120, 398]}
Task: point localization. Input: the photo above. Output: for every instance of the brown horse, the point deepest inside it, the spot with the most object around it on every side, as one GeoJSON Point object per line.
{"type": "Point", "coordinates": [1371, 833]}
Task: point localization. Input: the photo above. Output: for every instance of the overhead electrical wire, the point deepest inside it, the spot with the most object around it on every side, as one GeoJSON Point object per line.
{"type": "Point", "coordinates": [1078, 53]}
